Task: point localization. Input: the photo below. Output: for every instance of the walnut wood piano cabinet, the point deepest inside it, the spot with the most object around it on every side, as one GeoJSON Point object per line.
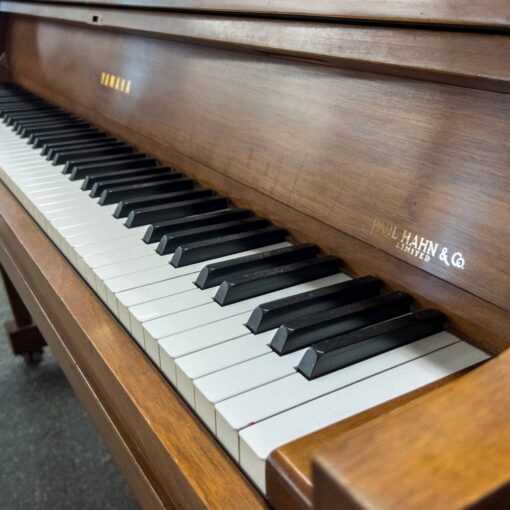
{"type": "Point", "coordinates": [349, 124]}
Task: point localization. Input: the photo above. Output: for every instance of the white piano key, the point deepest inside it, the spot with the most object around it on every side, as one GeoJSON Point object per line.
{"type": "Point", "coordinates": [170, 304]}
{"type": "Point", "coordinates": [78, 219]}
{"type": "Point", "coordinates": [113, 244]}
{"type": "Point", "coordinates": [55, 204]}
{"type": "Point", "coordinates": [68, 211]}
{"type": "Point", "coordinates": [132, 265]}
{"type": "Point", "coordinates": [259, 440]}
{"type": "Point", "coordinates": [82, 226]}
{"type": "Point", "coordinates": [36, 193]}
{"type": "Point", "coordinates": [196, 339]}
{"type": "Point", "coordinates": [216, 358]}
{"type": "Point", "coordinates": [218, 386]}
{"type": "Point", "coordinates": [293, 390]}
{"type": "Point", "coordinates": [117, 255]}
{"type": "Point", "coordinates": [41, 177]}
{"type": "Point", "coordinates": [54, 198]}
{"type": "Point", "coordinates": [113, 230]}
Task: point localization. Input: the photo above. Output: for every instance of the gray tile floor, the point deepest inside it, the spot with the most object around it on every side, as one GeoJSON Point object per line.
{"type": "Point", "coordinates": [50, 454]}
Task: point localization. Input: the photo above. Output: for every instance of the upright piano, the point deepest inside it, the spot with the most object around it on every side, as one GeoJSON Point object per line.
{"type": "Point", "coordinates": [268, 242]}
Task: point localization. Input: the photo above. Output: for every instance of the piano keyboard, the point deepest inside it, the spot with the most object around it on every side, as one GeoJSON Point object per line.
{"type": "Point", "coordinates": [266, 339]}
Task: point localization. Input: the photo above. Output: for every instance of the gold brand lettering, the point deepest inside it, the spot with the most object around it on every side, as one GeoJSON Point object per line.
{"type": "Point", "coordinates": [115, 82]}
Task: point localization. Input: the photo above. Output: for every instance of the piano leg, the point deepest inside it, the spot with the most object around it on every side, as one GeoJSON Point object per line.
{"type": "Point", "coordinates": [26, 339]}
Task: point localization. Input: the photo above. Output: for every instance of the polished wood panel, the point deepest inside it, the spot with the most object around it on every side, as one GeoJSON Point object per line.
{"type": "Point", "coordinates": [23, 334]}
{"type": "Point", "coordinates": [289, 470]}
{"type": "Point", "coordinates": [173, 460]}
{"type": "Point", "coordinates": [471, 13]}
{"type": "Point", "coordinates": [430, 158]}
{"type": "Point", "coordinates": [460, 58]}
{"type": "Point", "coordinates": [448, 449]}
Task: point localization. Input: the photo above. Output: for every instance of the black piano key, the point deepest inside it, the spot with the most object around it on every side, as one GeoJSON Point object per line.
{"type": "Point", "coordinates": [93, 167]}
{"type": "Point", "coordinates": [12, 120]}
{"type": "Point", "coordinates": [22, 120]}
{"type": "Point", "coordinates": [341, 351]}
{"type": "Point", "coordinates": [214, 274]}
{"type": "Point", "coordinates": [15, 108]}
{"type": "Point", "coordinates": [240, 287]}
{"type": "Point", "coordinates": [151, 174]}
{"type": "Point", "coordinates": [126, 207]}
{"type": "Point", "coordinates": [16, 98]}
{"type": "Point", "coordinates": [52, 153]}
{"type": "Point", "coordinates": [35, 101]}
{"type": "Point", "coordinates": [156, 231]}
{"type": "Point", "coordinates": [90, 180]}
{"type": "Point", "coordinates": [170, 242]}
{"type": "Point", "coordinates": [57, 130]}
{"type": "Point", "coordinates": [9, 100]}
{"type": "Point", "coordinates": [159, 184]}
{"type": "Point", "coordinates": [23, 130]}
{"type": "Point", "coordinates": [147, 215]}
{"type": "Point", "coordinates": [53, 127]}
{"type": "Point", "coordinates": [275, 313]}
{"type": "Point", "coordinates": [72, 155]}
{"type": "Point", "coordinates": [27, 113]}
{"type": "Point", "coordinates": [71, 134]}
{"type": "Point", "coordinates": [235, 243]}
{"type": "Point", "coordinates": [50, 150]}
{"type": "Point", "coordinates": [305, 331]}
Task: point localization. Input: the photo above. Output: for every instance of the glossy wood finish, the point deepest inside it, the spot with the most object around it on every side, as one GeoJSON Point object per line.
{"type": "Point", "coordinates": [289, 469]}
{"type": "Point", "coordinates": [165, 453]}
{"type": "Point", "coordinates": [275, 135]}
{"type": "Point", "coordinates": [318, 149]}
{"type": "Point", "coordinates": [470, 13]}
{"type": "Point", "coordinates": [19, 310]}
{"type": "Point", "coordinates": [461, 58]}
{"type": "Point", "coordinates": [448, 449]}
{"type": "Point", "coordinates": [23, 334]}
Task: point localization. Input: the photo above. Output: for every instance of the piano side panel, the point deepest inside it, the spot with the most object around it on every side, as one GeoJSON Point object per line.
{"type": "Point", "coordinates": [341, 147]}
{"type": "Point", "coordinates": [459, 436]}
{"type": "Point", "coordinates": [290, 485]}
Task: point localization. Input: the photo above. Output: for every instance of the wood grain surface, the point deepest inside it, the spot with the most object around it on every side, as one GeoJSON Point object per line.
{"type": "Point", "coordinates": [429, 158]}
{"type": "Point", "coordinates": [461, 58]}
{"type": "Point", "coordinates": [327, 152]}
{"type": "Point", "coordinates": [494, 14]}
{"type": "Point", "coordinates": [167, 455]}
{"type": "Point", "coordinates": [448, 449]}
{"type": "Point", "coordinates": [289, 469]}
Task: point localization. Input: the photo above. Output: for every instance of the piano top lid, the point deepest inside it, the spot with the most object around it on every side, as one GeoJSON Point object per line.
{"type": "Point", "coordinates": [479, 14]}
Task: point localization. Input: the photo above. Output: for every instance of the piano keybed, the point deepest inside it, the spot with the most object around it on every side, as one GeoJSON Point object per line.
{"type": "Point", "coordinates": [266, 339]}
